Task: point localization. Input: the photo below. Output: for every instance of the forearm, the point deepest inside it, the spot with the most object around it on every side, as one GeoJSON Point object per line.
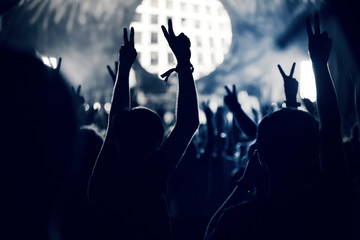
{"type": "Point", "coordinates": [245, 122]}
{"type": "Point", "coordinates": [187, 114]}
{"type": "Point", "coordinates": [328, 107]}
{"type": "Point", "coordinates": [187, 121]}
{"type": "Point", "coordinates": [104, 170]}
{"type": "Point", "coordinates": [210, 139]}
{"type": "Point", "coordinates": [121, 92]}
{"type": "Point", "coordinates": [331, 153]}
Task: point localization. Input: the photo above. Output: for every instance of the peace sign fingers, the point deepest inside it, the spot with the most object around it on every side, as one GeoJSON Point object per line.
{"type": "Point", "coordinates": [125, 35]}
{"type": "Point", "coordinates": [283, 73]}
{"type": "Point", "coordinates": [126, 39]}
{"type": "Point", "coordinates": [292, 70]}
{"type": "Point", "coordinates": [168, 34]}
{"type": "Point", "coordinates": [316, 26]}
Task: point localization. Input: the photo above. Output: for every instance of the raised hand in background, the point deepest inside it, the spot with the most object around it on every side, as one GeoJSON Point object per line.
{"type": "Point", "coordinates": [291, 86]}
{"type": "Point", "coordinates": [319, 43]}
{"type": "Point", "coordinates": [79, 100]}
{"type": "Point", "coordinates": [331, 152]}
{"type": "Point", "coordinates": [127, 56]}
{"type": "Point", "coordinates": [111, 72]}
{"type": "Point", "coordinates": [244, 121]}
{"type": "Point", "coordinates": [210, 130]}
{"type": "Point", "coordinates": [231, 99]}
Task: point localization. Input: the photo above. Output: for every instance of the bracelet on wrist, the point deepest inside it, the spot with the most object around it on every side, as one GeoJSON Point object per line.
{"type": "Point", "coordinates": [179, 67]}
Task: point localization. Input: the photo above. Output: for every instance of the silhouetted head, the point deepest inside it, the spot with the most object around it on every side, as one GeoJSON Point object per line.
{"type": "Point", "coordinates": [139, 132]}
{"type": "Point", "coordinates": [288, 139]}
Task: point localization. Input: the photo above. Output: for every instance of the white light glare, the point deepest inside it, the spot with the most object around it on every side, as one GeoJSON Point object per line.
{"type": "Point", "coordinates": [307, 81]}
{"type": "Point", "coordinates": [49, 61]}
{"type": "Point", "coordinates": [97, 106]}
{"type": "Point", "coordinates": [107, 107]}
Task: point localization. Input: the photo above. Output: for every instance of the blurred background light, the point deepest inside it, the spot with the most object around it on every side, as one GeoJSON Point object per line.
{"type": "Point", "coordinates": [107, 107]}
{"type": "Point", "coordinates": [86, 107]}
{"type": "Point", "coordinates": [97, 106]}
{"type": "Point", "coordinates": [242, 45]}
{"type": "Point", "coordinates": [307, 81]}
{"type": "Point", "coordinates": [205, 22]}
{"type": "Point", "coordinates": [49, 61]}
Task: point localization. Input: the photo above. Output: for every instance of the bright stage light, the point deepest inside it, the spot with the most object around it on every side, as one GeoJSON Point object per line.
{"type": "Point", "coordinates": [49, 61]}
{"type": "Point", "coordinates": [97, 106]}
{"type": "Point", "coordinates": [205, 22]}
{"type": "Point", "coordinates": [107, 107]}
{"type": "Point", "coordinates": [307, 81]}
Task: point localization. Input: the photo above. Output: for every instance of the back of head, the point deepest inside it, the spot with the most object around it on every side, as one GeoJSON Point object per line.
{"type": "Point", "coordinates": [139, 131]}
{"type": "Point", "coordinates": [286, 136]}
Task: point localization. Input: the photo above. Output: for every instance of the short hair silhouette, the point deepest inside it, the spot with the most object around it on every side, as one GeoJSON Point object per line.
{"type": "Point", "coordinates": [287, 133]}
{"type": "Point", "coordinates": [140, 129]}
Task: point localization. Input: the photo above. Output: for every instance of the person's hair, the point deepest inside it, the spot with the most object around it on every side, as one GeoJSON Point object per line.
{"type": "Point", "coordinates": [287, 134]}
{"type": "Point", "coordinates": [139, 128]}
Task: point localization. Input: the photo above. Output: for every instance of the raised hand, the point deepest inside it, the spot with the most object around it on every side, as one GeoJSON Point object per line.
{"type": "Point", "coordinates": [127, 51]}
{"type": "Point", "coordinates": [111, 72]}
{"type": "Point", "coordinates": [291, 86]}
{"type": "Point", "coordinates": [244, 121]}
{"type": "Point", "coordinates": [319, 43]}
{"type": "Point", "coordinates": [208, 113]}
{"type": "Point", "coordinates": [79, 100]}
{"type": "Point", "coordinates": [180, 45]}
{"type": "Point", "coordinates": [231, 99]}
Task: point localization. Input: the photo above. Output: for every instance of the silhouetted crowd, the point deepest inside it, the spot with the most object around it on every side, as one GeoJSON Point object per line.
{"type": "Point", "coordinates": [280, 174]}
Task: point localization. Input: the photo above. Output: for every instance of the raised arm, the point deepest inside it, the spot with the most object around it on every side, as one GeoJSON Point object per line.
{"type": "Point", "coordinates": [101, 180]}
{"type": "Point", "coordinates": [111, 72]}
{"type": "Point", "coordinates": [187, 116]}
{"type": "Point", "coordinates": [331, 153]}
{"type": "Point", "coordinates": [247, 125]}
{"type": "Point", "coordinates": [121, 92]}
{"type": "Point", "coordinates": [291, 87]}
{"type": "Point", "coordinates": [209, 148]}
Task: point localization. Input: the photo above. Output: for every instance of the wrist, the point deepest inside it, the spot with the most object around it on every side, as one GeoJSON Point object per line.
{"type": "Point", "coordinates": [184, 64]}
{"type": "Point", "coordinates": [319, 63]}
{"type": "Point", "coordinates": [292, 103]}
{"type": "Point", "coordinates": [124, 67]}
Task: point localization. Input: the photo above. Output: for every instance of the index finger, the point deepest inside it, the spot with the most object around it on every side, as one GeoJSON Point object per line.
{"type": "Point", "coordinates": [171, 30]}
{"type": "Point", "coordinates": [78, 90]}
{"type": "Point", "coordinates": [166, 34]}
{"type": "Point", "coordinates": [132, 36]}
{"type": "Point", "coordinates": [234, 89]}
{"type": "Point", "coordinates": [281, 71]}
{"type": "Point", "coordinates": [316, 24]}
{"type": "Point", "coordinates": [292, 70]}
{"type": "Point", "coordinates": [227, 90]}
{"type": "Point", "coordinates": [126, 40]}
{"type": "Point", "coordinates": [59, 64]}
{"type": "Point", "coordinates": [308, 27]}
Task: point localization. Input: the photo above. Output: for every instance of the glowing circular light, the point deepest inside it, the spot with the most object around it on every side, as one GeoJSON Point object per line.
{"type": "Point", "coordinates": [229, 117]}
{"type": "Point", "coordinates": [86, 107]}
{"type": "Point", "coordinates": [168, 117]}
{"type": "Point", "coordinates": [107, 107]}
{"type": "Point", "coordinates": [97, 106]}
{"type": "Point", "coordinates": [205, 22]}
